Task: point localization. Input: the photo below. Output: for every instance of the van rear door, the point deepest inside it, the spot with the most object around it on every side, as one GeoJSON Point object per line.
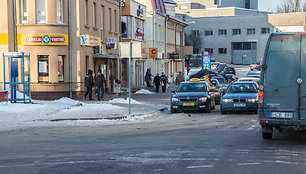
{"type": "Point", "coordinates": [281, 90]}
{"type": "Point", "coordinates": [302, 80]}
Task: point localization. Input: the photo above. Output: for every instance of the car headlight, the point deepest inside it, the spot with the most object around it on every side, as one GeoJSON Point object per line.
{"type": "Point", "coordinates": [175, 99]}
{"type": "Point", "coordinates": [253, 100]}
{"type": "Point", "coordinates": [226, 100]}
{"type": "Point", "coordinates": [203, 99]}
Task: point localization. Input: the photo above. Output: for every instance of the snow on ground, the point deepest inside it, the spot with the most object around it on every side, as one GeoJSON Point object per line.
{"type": "Point", "coordinates": [241, 70]}
{"type": "Point", "coordinates": [66, 100]}
{"type": "Point", "coordinates": [124, 101]}
{"type": "Point", "coordinates": [144, 91]}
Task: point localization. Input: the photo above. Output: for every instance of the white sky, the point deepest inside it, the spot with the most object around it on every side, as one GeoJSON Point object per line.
{"type": "Point", "coordinates": [270, 5]}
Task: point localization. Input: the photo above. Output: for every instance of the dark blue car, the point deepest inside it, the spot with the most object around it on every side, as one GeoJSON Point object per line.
{"type": "Point", "coordinates": [194, 95]}
{"type": "Point", "coordinates": [240, 96]}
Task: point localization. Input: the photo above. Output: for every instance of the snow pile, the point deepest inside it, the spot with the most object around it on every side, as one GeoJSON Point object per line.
{"type": "Point", "coordinates": [68, 101]}
{"type": "Point", "coordinates": [19, 95]}
{"type": "Point", "coordinates": [19, 107]}
{"type": "Point", "coordinates": [124, 101]}
{"type": "Point", "coordinates": [92, 108]}
{"type": "Point", "coordinates": [144, 91]}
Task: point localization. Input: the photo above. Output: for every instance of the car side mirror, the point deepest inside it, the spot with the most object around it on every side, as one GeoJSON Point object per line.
{"type": "Point", "coordinates": [173, 91]}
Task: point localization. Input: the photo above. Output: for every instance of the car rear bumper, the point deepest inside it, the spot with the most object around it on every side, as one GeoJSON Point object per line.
{"type": "Point", "coordinates": [247, 107]}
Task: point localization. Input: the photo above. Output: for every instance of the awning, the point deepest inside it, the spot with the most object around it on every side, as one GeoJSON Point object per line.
{"type": "Point", "coordinates": [106, 56]}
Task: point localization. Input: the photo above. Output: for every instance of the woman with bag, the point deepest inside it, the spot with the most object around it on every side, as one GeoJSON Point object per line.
{"type": "Point", "coordinates": [164, 82]}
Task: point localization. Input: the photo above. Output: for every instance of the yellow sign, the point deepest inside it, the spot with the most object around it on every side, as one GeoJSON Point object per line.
{"type": "Point", "coordinates": [44, 39]}
{"type": "Point", "coordinates": [153, 53]}
{"type": "Point", "coordinates": [194, 80]}
{"type": "Point", "coordinates": [3, 38]}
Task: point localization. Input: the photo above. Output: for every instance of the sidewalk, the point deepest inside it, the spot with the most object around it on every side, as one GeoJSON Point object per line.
{"type": "Point", "coordinates": [68, 112]}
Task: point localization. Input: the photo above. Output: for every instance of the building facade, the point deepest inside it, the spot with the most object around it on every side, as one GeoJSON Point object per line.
{"type": "Point", "coordinates": [133, 29]}
{"type": "Point", "coordinates": [204, 4]}
{"type": "Point", "coordinates": [58, 67]}
{"type": "Point", "coordinates": [156, 22]}
{"type": "Point", "coordinates": [175, 42]}
{"type": "Point", "coordinates": [228, 34]}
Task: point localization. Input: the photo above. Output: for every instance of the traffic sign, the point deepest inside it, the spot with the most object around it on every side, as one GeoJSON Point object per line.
{"type": "Point", "coordinates": [206, 60]}
{"type": "Point", "coordinates": [153, 53]}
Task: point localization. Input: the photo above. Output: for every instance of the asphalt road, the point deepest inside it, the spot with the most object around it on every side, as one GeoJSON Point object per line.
{"type": "Point", "coordinates": [177, 143]}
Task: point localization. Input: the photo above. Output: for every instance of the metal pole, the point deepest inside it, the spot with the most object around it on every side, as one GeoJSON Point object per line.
{"type": "Point", "coordinates": [131, 54]}
{"type": "Point", "coordinates": [69, 40]}
{"type": "Point", "coordinates": [15, 27]}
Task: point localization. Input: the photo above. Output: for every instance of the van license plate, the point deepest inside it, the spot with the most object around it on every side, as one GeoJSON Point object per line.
{"type": "Point", "coordinates": [239, 105]}
{"type": "Point", "coordinates": [188, 104]}
{"type": "Point", "coordinates": [281, 115]}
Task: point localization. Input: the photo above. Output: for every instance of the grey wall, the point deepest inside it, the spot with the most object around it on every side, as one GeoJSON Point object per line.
{"type": "Point", "coordinates": [238, 3]}
{"type": "Point", "coordinates": [230, 23]}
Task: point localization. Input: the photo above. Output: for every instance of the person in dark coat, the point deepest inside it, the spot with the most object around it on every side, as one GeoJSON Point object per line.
{"type": "Point", "coordinates": [89, 83]}
{"type": "Point", "coordinates": [164, 82]}
{"type": "Point", "coordinates": [148, 78]}
{"type": "Point", "coordinates": [99, 83]}
{"type": "Point", "coordinates": [156, 81]}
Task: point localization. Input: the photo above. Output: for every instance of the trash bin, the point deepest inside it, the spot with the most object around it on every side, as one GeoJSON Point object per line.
{"type": "Point", "coordinates": [3, 96]}
{"type": "Point", "coordinates": [116, 86]}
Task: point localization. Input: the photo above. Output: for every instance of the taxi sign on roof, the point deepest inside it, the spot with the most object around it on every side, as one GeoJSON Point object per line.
{"type": "Point", "coordinates": [194, 80]}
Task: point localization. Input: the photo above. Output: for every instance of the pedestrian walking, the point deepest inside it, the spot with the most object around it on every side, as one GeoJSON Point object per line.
{"type": "Point", "coordinates": [164, 82]}
{"type": "Point", "coordinates": [156, 82]}
{"type": "Point", "coordinates": [179, 79]}
{"type": "Point", "coordinates": [148, 77]}
{"type": "Point", "coordinates": [99, 83]}
{"type": "Point", "coordinates": [187, 68]}
{"type": "Point", "coordinates": [89, 83]}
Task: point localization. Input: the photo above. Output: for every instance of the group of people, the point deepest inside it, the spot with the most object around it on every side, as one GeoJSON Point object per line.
{"type": "Point", "coordinates": [161, 80]}
{"type": "Point", "coordinates": [98, 81]}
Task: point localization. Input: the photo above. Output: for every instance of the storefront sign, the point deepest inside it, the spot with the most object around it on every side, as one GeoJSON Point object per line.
{"type": "Point", "coordinates": [140, 11]}
{"type": "Point", "coordinates": [153, 53]}
{"type": "Point", "coordinates": [173, 56]}
{"type": "Point", "coordinates": [44, 39]}
{"type": "Point", "coordinates": [90, 40]}
{"type": "Point", "coordinates": [111, 43]}
{"type": "Point", "coordinates": [206, 60]}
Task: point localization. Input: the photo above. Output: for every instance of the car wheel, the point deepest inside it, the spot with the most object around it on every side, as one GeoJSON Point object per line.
{"type": "Point", "coordinates": [207, 110]}
{"type": "Point", "coordinates": [172, 110]}
{"type": "Point", "coordinates": [266, 135]}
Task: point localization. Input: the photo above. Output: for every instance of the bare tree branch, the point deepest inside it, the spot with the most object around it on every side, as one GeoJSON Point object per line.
{"type": "Point", "coordinates": [291, 6]}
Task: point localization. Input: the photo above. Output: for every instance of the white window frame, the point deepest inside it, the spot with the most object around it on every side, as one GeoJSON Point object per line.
{"type": "Point", "coordinates": [94, 15]}
{"type": "Point", "coordinates": [86, 13]}
{"type": "Point", "coordinates": [109, 19]}
{"type": "Point", "coordinates": [102, 22]}
{"type": "Point", "coordinates": [62, 12]}
{"type": "Point", "coordinates": [22, 12]}
{"type": "Point", "coordinates": [46, 12]}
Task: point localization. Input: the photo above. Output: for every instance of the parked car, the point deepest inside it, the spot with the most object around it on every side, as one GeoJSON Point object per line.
{"type": "Point", "coordinates": [240, 96]}
{"type": "Point", "coordinates": [214, 65]}
{"type": "Point", "coordinates": [202, 73]}
{"type": "Point", "coordinates": [256, 66]}
{"type": "Point", "coordinates": [229, 70]}
{"type": "Point", "coordinates": [282, 96]}
{"type": "Point", "coordinates": [193, 95]}
{"type": "Point", "coordinates": [249, 79]}
{"type": "Point", "coordinates": [255, 74]}
{"type": "Point", "coordinates": [220, 67]}
{"type": "Point", "coordinates": [223, 83]}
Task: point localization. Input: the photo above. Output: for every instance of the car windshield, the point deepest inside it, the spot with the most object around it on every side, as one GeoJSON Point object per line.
{"type": "Point", "coordinates": [220, 79]}
{"type": "Point", "coordinates": [192, 87]}
{"type": "Point", "coordinates": [242, 88]}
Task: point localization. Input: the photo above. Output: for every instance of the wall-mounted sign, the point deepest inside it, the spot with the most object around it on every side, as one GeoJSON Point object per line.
{"type": "Point", "coordinates": [140, 11]}
{"type": "Point", "coordinates": [139, 33]}
{"type": "Point", "coordinates": [173, 56]}
{"type": "Point", "coordinates": [111, 43]}
{"type": "Point", "coordinates": [44, 39]}
{"type": "Point", "coordinates": [90, 40]}
{"type": "Point", "coordinates": [206, 60]}
{"type": "Point", "coordinates": [153, 53]}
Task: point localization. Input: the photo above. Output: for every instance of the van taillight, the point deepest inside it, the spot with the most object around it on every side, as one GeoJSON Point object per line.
{"type": "Point", "coordinates": [260, 96]}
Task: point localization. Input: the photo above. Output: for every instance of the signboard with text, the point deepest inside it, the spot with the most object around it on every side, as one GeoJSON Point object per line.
{"type": "Point", "coordinates": [206, 60]}
{"type": "Point", "coordinates": [90, 40]}
{"type": "Point", "coordinates": [153, 53]}
{"type": "Point", "coordinates": [44, 39]}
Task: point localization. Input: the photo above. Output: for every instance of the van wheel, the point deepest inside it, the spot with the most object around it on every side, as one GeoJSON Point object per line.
{"type": "Point", "coordinates": [266, 135]}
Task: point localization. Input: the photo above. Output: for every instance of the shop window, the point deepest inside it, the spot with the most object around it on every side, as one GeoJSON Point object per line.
{"type": "Point", "coordinates": [41, 7]}
{"type": "Point", "coordinates": [60, 11]}
{"type": "Point", "coordinates": [60, 69]}
{"type": "Point", "coordinates": [43, 68]}
{"type": "Point", "coordinates": [24, 11]}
